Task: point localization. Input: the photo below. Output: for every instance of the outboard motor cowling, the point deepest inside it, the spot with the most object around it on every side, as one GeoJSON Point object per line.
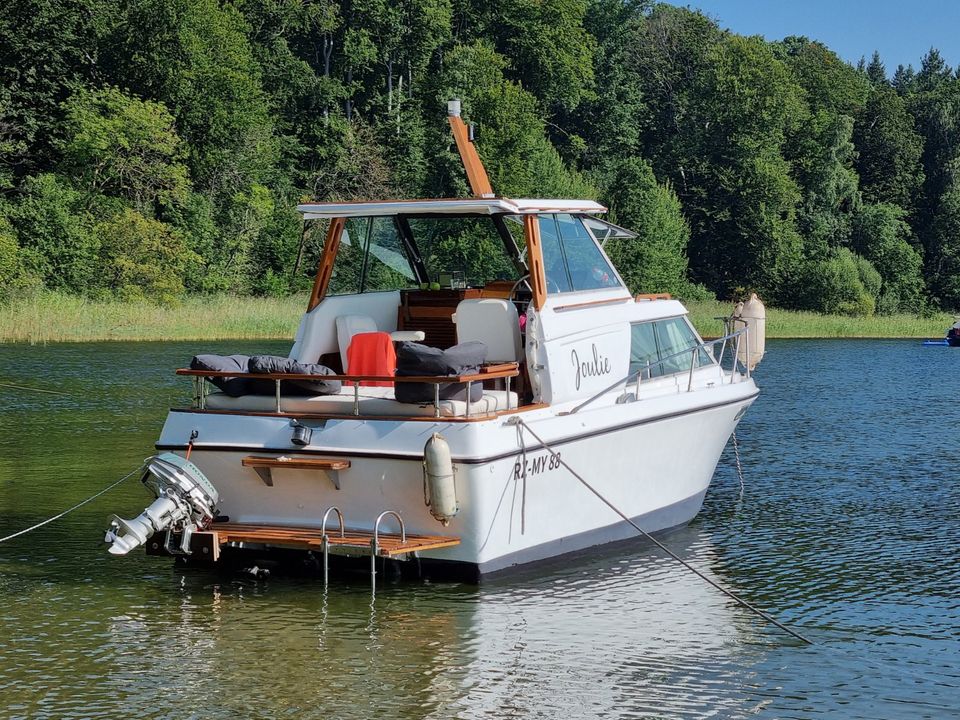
{"type": "Point", "coordinates": [185, 501]}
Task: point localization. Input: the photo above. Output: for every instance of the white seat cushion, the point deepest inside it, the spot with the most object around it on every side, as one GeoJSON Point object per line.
{"type": "Point", "coordinates": [347, 327]}
{"type": "Point", "coordinates": [493, 322]}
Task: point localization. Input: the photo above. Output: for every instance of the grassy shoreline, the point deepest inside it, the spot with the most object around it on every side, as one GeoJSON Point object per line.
{"type": "Point", "coordinates": [53, 317]}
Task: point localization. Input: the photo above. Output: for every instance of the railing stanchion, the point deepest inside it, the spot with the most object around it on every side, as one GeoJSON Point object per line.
{"type": "Point", "coordinates": [693, 364]}
{"type": "Point", "coordinates": [278, 395]}
{"type": "Point", "coordinates": [746, 340]}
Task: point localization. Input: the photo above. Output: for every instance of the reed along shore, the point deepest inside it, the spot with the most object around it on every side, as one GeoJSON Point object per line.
{"type": "Point", "coordinates": [55, 317]}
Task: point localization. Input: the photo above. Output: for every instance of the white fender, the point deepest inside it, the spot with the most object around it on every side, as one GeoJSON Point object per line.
{"type": "Point", "coordinates": [753, 314]}
{"type": "Point", "coordinates": [439, 490]}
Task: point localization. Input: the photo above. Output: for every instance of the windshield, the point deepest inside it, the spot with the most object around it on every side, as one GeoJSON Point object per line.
{"type": "Point", "coordinates": [409, 251]}
{"type": "Point", "coordinates": [470, 248]}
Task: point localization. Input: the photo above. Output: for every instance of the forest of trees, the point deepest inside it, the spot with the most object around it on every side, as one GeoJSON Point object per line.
{"type": "Point", "coordinates": [150, 148]}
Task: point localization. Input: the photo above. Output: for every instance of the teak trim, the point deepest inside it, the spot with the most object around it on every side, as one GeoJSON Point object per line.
{"type": "Point", "coordinates": [591, 303]}
{"type": "Point", "coordinates": [476, 174]}
{"type": "Point", "coordinates": [538, 278]}
{"type": "Point", "coordinates": [264, 466]}
{"type": "Point", "coordinates": [325, 270]}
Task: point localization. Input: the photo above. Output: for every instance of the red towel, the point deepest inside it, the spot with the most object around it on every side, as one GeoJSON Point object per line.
{"type": "Point", "coordinates": [371, 354]}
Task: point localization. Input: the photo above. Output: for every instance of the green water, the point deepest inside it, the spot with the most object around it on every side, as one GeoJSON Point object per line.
{"type": "Point", "coordinates": [847, 528]}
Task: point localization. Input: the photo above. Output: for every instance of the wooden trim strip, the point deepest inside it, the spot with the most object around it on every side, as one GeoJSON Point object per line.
{"type": "Point", "coordinates": [575, 306]}
{"type": "Point", "coordinates": [255, 461]}
{"type": "Point", "coordinates": [325, 270]}
{"type": "Point", "coordinates": [538, 277]}
{"type": "Point", "coordinates": [476, 174]}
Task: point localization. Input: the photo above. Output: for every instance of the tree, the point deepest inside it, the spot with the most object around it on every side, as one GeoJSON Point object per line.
{"type": "Point", "coordinates": [737, 191]}
{"type": "Point", "coordinates": [48, 49]}
{"type": "Point", "coordinates": [881, 235]}
{"type": "Point", "coordinates": [519, 158]}
{"type": "Point", "coordinates": [819, 145]}
{"type": "Point", "coordinates": [888, 150]}
{"type": "Point", "coordinates": [551, 55]}
{"type": "Point", "coordinates": [656, 260]}
{"type": "Point", "coordinates": [142, 257]}
{"type": "Point", "coordinates": [56, 237]}
{"type": "Point", "coordinates": [122, 146]}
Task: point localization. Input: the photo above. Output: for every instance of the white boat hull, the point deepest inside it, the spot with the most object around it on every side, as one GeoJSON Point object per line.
{"type": "Point", "coordinates": [652, 459]}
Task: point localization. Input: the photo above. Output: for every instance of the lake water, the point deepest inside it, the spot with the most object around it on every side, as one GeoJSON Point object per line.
{"type": "Point", "coordinates": [847, 528]}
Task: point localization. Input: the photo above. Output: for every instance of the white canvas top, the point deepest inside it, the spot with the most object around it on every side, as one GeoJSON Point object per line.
{"type": "Point", "coordinates": [455, 206]}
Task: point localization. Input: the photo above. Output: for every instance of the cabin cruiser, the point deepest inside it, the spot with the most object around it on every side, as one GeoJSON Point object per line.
{"type": "Point", "coordinates": [555, 366]}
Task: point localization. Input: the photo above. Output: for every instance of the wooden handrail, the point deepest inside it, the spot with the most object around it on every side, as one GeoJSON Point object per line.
{"type": "Point", "coordinates": [490, 372]}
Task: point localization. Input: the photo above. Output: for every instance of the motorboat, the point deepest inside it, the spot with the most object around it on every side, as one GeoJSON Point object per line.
{"type": "Point", "coordinates": [581, 390]}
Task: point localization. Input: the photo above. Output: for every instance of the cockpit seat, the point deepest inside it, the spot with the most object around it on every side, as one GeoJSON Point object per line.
{"type": "Point", "coordinates": [494, 322]}
{"type": "Point", "coordinates": [350, 325]}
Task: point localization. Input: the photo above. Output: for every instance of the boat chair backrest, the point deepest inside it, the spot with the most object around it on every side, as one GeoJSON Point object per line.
{"type": "Point", "coordinates": [350, 325]}
{"type": "Point", "coordinates": [495, 323]}
{"type": "Point", "coordinates": [347, 327]}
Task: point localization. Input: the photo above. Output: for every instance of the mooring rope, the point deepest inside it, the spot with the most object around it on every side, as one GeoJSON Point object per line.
{"type": "Point", "coordinates": [78, 505]}
{"type": "Point", "coordinates": [736, 455]}
{"type": "Point", "coordinates": [729, 593]}
{"type": "Point", "coordinates": [32, 389]}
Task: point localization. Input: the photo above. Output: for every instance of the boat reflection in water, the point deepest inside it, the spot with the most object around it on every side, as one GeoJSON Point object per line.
{"type": "Point", "coordinates": [615, 631]}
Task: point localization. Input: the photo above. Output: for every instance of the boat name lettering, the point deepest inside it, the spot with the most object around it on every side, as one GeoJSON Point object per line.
{"type": "Point", "coordinates": [595, 366]}
{"type": "Point", "coordinates": [536, 465]}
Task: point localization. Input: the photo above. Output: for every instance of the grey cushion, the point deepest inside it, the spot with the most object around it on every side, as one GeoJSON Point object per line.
{"type": "Point", "coordinates": [416, 359]}
{"type": "Point", "coordinates": [276, 364]}
{"type": "Point", "coordinates": [233, 386]}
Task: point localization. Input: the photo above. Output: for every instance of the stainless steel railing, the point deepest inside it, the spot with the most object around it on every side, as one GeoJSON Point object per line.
{"type": "Point", "coordinates": [724, 342]}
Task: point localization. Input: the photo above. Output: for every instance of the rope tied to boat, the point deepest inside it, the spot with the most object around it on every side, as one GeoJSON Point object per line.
{"type": "Point", "coordinates": [77, 506]}
{"type": "Point", "coordinates": [736, 455]}
{"type": "Point", "coordinates": [518, 421]}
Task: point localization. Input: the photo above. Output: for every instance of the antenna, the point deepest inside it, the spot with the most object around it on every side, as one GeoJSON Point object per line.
{"type": "Point", "coordinates": [476, 174]}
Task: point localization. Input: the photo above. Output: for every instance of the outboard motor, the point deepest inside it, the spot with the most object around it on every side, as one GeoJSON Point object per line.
{"type": "Point", "coordinates": [185, 501]}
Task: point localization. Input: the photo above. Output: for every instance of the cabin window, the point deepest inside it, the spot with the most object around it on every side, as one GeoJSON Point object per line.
{"type": "Point", "coordinates": [469, 245]}
{"type": "Point", "coordinates": [371, 258]}
{"type": "Point", "coordinates": [572, 260]}
{"type": "Point", "coordinates": [664, 347]}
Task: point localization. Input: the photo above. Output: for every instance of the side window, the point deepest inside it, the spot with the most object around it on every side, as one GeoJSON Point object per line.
{"type": "Point", "coordinates": [371, 258]}
{"type": "Point", "coordinates": [588, 268]}
{"type": "Point", "coordinates": [643, 350]}
{"type": "Point", "coordinates": [663, 347]}
{"type": "Point", "coordinates": [345, 279]}
{"type": "Point", "coordinates": [676, 336]}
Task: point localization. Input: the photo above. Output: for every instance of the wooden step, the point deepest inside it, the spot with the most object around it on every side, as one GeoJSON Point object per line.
{"type": "Point", "coordinates": [303, 538]}
{"type": "Point", "coordinates": [265, 465]}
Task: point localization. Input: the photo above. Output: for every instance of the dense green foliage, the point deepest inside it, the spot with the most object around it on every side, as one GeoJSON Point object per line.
{"type": "Point", "coordinates": [150, 148]}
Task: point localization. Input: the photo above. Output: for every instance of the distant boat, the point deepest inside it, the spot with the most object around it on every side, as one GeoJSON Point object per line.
{"type": "Point", "coordinates": [953, 335]}
{"type": "Point", "coordinates": [952, 339]}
